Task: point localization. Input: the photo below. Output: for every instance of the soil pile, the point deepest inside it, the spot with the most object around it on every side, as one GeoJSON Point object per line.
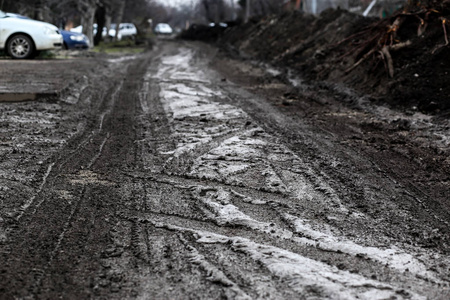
{"type": "Point", "coordinates": [396, 60]}
{"type": "Point", "coordinates": [203, 33]}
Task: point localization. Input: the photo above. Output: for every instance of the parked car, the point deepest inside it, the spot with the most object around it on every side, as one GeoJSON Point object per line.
{"type": "Point", "coordinates": [22, 38]}
{"type": "Point", "coordinates": [79, 29]}
{"type": "Point", "coordinates": [74, 40]}
{"type": "Point", "coordinates": [13, 15]}
{"type": "Point", "coordinates": [221, 24]}
{"type": "Point", "coordinates": [126, 31]}
{"type": "Point", "coordinates": [163, 28]}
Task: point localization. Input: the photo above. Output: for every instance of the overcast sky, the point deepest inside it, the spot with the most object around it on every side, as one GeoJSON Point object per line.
{"type": "Point", "coordinates": [179, 2]}
{"type": "Point", "coordinates": [176, 2]}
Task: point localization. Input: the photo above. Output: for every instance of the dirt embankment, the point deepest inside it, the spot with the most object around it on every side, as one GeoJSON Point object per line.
{"type": "Point", "coordinates": [341, 47]}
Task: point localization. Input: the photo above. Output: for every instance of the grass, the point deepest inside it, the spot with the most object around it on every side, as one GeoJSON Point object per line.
{"type": "Point", "coordinates": [119, 47]}
{"type": "Point", "coordinates": [46, 54]}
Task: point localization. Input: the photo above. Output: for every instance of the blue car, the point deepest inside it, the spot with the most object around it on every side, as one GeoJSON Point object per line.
{"type": "Point", "coordinates": [74, 40]}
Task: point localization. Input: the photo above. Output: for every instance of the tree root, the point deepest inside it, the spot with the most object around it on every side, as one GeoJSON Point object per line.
{"type": "Point", "coordinates": [444, 26]}
{"type": "Point", "coordinates": [385, 54]}
{"type": "Point", "coordinates": [382, 36]}
{"type": "Point", "coordinates": [389, 61]}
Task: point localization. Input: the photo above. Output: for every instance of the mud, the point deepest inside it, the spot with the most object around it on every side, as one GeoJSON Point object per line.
{"type": "Point", "coordinates": [327, 47]}
{"type": "Point", "coordinates": [183, 173]}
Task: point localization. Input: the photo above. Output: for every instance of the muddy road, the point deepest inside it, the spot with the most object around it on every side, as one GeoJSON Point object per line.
{"type": "Point", "coordinates": [183, 174]}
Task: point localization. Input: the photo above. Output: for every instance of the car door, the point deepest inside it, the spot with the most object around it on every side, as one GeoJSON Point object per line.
{"type": "Point", "coordinates": [2, 19]}
{"type": "Point", "coordinates": [126, 30]}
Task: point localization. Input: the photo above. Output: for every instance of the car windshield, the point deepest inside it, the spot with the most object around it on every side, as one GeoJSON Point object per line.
{"type": "Point", "coordinates": [2, 14]}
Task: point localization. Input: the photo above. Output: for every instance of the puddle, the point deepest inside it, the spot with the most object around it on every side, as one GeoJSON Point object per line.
{"type": "Point", "coordinates": [122, 59]}
{"type": "Point", "coordinates": [17, 97]}
{"type": "Point", "coordinates": [21, 97]}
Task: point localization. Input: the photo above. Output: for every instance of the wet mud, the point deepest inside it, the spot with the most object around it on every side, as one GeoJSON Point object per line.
{"type": "Point", "coordinates": [343, 48]}
{"type": "Point", "coordinates": [187, 174]}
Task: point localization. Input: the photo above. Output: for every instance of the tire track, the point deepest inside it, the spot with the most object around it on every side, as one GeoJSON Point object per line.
{"type": "Point", "coordinates": [30, 201]}
{"type": "Point", "coordinates": [251, 159]}
{"type": "Point", "coordinates": [47, 247]}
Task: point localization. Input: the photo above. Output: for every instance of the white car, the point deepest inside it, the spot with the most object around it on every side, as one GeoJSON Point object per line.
{"type": "Point", "coordinates": [126, 30]}
{"type": "Point", "coordinates": [22, 38]}
{"type": "Point", "coordinates": [163, 28]}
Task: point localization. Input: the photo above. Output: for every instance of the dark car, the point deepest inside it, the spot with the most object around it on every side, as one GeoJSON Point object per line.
{"type": "Point", "coordinates": [74, 40]}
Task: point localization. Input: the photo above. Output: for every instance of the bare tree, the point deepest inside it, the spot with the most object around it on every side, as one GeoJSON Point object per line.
{"type": "Point", "coordinates": [119, 18]}
{"type": "Point", "coordinates": [100, 16]}
{"type": "Point", "coordinates": [260, 7]}
{"type": "Point", "coordinates": [247, 10]}
{"type": "Point", "coordinates": [87, 10]}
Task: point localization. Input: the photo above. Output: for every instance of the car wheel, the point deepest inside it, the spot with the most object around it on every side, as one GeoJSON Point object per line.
{"type": "Point", "coordinates": [20, 47]}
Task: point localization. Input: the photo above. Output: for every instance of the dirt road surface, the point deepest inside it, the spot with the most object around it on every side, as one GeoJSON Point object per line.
{"type": "Point", "coordinates": [181, 173]}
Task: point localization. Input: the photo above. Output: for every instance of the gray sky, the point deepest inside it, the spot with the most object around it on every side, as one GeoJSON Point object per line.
{"type": "Point", "coordinates": [179, 2]}
{"type": "Point", "coordinates": [175, 2]}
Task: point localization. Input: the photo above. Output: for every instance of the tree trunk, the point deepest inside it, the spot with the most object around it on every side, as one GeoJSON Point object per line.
{"type": "Point", "coordinates": [88, 24]}
{"type": "Point", "coordinates": [87, 10]}
{"type": "Point", "coordinates": [101, 20]}
{"type": "Point", "coordinates": [39, 10]}
{"type": "Point", "coordinates": [247, 11]}
{"type": "Point", "coordinates": [233, 9]}
{"type": "Point", "coordinates": [108, 21]}
{"type": "Point", "coordinates": [119, 18]}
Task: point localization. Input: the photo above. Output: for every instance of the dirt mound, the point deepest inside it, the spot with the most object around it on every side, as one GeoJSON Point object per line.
{"type": "Point", "coordinates": [202, 33]}
{"type": "Point", "coordinates": [386, 59]}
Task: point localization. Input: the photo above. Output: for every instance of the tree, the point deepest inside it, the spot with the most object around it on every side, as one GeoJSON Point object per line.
{"type": "Point", "coordinates": [87, 9]}
{"type": "Point", "coordinates": [100, 16]}
{"type": "Point", "coordinates": [119, 18]}
{"type": "Point", "coordinates": [259, 7]}
{"type": "Point", "coordinates": [214, 10]}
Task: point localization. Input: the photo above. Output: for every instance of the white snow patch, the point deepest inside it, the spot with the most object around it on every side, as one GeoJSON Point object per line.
{"type": "Point", "coordinates": [304, 275]}
{"type": "Point", "coordinates": [220, 204]}
{"type": "Point", "coordinates": [218, 201]}
{"type": "Point", "coordinates": [180, 60]}
{"type": "Point", "coordinates": [143, 97]}
{"type": "Point", "coordinates": [272, 71]}
{"type": "Point", "coordinates": [394, 258]}
{"type": "Point", "coordinates": [201, 90]}
{"type": "Point", "coordinates": [240, 146]}
{"type": "Point", "coordinates": [216, 275]}
{"type": "Point", "coordinates": [121, 59]}
{"type": "Point", "coordinates": [180, 105]}
{"type": "Point", "coordinates": [178, 67]}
